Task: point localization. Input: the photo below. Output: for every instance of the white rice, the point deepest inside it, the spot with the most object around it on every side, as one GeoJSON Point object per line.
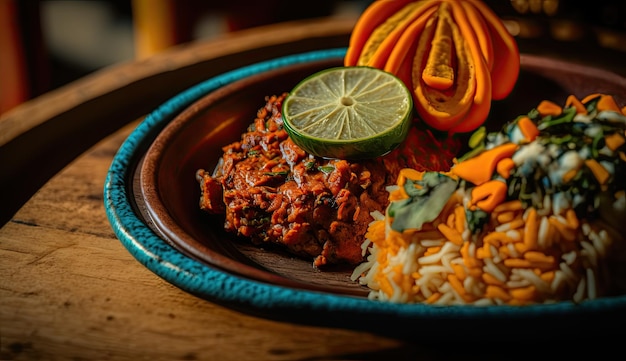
{"type": "Point", "coordinates": [427, 269]}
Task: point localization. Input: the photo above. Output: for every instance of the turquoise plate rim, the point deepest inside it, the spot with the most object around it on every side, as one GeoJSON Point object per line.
{"type": "Point", "coordinates": [274, 301]}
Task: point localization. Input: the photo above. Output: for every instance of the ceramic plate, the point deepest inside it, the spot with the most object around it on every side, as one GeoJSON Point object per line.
{"type": "Point", "coordinates": [151, 199]}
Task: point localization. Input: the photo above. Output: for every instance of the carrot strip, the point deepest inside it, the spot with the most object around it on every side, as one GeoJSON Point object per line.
{"type": "Point", "coordinates": [433, 298]}
{"type": "Point", "coordinates": [590, 97]}
{"type": "Point", "coordinates": [459, 271]}
{"type": "Point", "coordinates": [374, 15]}
{"type": "Point", "coordinates": [531, 230]}
{"type": "Point", "coordinates": [547, 107]}
{"type": "Point", "coordinates": [460, 219]}
{"type": "Point", "coordinates": [409, 173]}
{"type": "Point", "coordinates": [456, 285]}
{"type": "Point", "coordinates": [504, 167]}
{"type": "Point", "coordinates": [478, 23]}
{"type": "Point", "coordinates": [607, 102]}
{"type": "Point", "coordinates": [572, 101]}
{"type": "Point", "coordinates": [438, 73]}
{"type": "Point", "coordinates": [506, 66]}
{"type": "Point", "coordinates": [521, 247]}
{"type": "Point", "coordinates": [451, 234]}
{"type": "Point", "coordinates": [491, 280]}
{"type": "Point", "coordinates": [482, 253]}
{"type": "Point", "coordinates": [505, 217]}
{"type": "Point", "coordinates": [442, 110]}
{"type": "Point", "coordinates": [451, 221]}
{"type": "Point", "coordinates": [599, 172]}
{"type": "Point", "coordinates": [528, 128]}
{"type": "Point", "coordinates": [514, 224]}
{"type": "Point", "coordinates": [479, 111]}
{"type": "Point", "coordinates": [488, 195]}
{"type": "Point", "coordinates": [432, 250]}
{"type": "Point", "coordinates": [382, 31]}
{"type": "Point", "coordinates": [518, 263]}
{"type": "Point", "coordinates": [566, 232]}
{"type": "Point", "coordinates": [547, 276]}
{"type": "Point", "coordinates": [469, 261]}
{"type": "Point", "coordinates": [404, 71]}
{"type": "Point", "coordinates": [379, 51]}
{"type": "Point", "coordinates": [498, 238]}
{"type": "Point", "coordinates": [614, 141]}
{"type": "Point", "coordinates": [481, 106]}
{"type": "Point", "coordinates": [514, 205]}
{"type": "Point", "coordinates": [376, 231]}
{"type": "Point", "coordinates": [524, 293]}
{"type": "Point", "coordinates": [405, 45]}
{"type": "Point", "coordinates": [495, 292]}
{"type": "Point", "coordinates": [479, 169]}
{"type": "Point", "coordinates": [538, 257]}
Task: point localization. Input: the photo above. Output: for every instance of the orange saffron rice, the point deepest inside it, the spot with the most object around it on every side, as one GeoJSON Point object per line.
{"type": "Point", "coordinates": [533, 243]}
{"type": "Point", "coordinates": [524, 257]}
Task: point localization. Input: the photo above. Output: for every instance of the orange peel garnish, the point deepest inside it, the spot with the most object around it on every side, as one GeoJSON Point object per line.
{"type": "Point", "coordinates": [456, 55]}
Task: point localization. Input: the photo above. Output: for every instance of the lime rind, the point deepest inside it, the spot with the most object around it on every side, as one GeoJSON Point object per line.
{"type": "Point", "coordinates": [348, 112]}
{"type": "Point", "coordinates": [362, 149]}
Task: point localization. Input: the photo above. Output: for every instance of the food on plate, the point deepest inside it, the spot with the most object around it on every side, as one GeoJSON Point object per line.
{"type": "Point", "coordinates": [455, 56]}
{"type": "Point", "coordinates": [533, 213]}
{"type": "Point", "coordinates": [274, 193]}
{"type": "Point", "coordinates": [348, 113]}
{"type": "Point", "coordinates": [315, 164]}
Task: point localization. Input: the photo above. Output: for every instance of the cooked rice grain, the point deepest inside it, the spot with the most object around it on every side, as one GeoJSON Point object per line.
{"type": "Point", "coordinates": [526, 256]}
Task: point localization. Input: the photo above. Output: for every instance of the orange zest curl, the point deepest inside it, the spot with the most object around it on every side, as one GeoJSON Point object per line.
{"type": "Point", "coordinates": [455, 55]}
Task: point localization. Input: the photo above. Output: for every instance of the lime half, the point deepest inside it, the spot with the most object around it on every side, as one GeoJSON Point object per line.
{"type": "Point", "coordinates": [354, 112]}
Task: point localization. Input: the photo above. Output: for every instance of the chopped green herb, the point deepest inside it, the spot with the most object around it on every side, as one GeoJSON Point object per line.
{"type": "Point", "coordinates": [478, 137]}
{"type": "Point", "coordinates": [476, 220]}
{"type": "Point", "coordinates": [327, 169]}
{"type": "Point", "coordinates": [274, 174]}
{"type": "Point", "coordinates": [566, 117]}
{"type": "Point", "coordinates": [427, 197]}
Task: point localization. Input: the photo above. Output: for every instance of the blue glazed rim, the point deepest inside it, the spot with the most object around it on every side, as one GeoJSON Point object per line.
{"type": "Point", "coordinates": [287, 304]}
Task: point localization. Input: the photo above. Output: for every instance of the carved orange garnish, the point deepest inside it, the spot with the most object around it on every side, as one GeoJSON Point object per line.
{"type": "Point", "coordinates": [456, 56]}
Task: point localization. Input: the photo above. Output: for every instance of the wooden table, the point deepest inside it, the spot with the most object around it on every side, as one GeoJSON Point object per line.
{"type": "Point", "coordinates": [68, 287]}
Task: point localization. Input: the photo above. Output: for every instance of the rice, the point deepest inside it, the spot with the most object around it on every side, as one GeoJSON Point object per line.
{"type": "Point", "coordinates": [526, 251]}
{"type": "Point", "coordinates": [517, 271]}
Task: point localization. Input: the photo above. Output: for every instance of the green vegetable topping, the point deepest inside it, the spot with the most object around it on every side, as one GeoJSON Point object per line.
{"type": "Point", "coordinates": [427, 198]}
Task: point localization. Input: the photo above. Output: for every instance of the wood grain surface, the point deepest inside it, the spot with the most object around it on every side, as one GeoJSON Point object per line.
{"type": "Point", "coordinates": [71, 291]}
{"type": "Point", "coordinates": [54, 128]}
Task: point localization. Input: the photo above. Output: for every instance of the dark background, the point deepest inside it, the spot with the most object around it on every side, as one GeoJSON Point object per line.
{"type": "Point", "coordinates": [65, 40]}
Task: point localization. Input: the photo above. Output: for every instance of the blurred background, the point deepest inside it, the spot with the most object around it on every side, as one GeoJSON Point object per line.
{"type": "Point", "coordinates": [46, 44]}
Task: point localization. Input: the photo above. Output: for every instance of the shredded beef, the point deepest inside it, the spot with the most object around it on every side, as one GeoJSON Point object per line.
{"type": "Point", "coordinates": [272, 191]}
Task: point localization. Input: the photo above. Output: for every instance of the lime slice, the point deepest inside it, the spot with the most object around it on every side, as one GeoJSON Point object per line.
{"type": "Point", "coordinates": [353, 112]}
